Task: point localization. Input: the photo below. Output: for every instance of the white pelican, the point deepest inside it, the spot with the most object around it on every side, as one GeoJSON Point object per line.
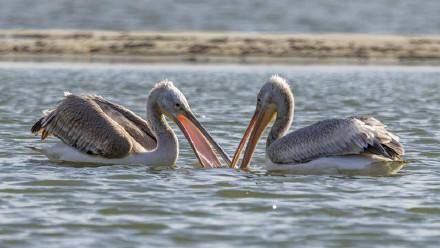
{"type": "Point", "coordinates": [355, 143]}
{"type": "Point", "coordinates": [95, 130]}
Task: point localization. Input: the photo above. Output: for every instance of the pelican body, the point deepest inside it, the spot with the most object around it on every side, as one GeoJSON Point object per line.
{"type": "Point", "coordinates": [95, 130]}
{"type": "Point", "coordinates": [354, 143]}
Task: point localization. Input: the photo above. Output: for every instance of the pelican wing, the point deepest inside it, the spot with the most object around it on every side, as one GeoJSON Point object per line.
{"type": "Point", "coordinates": [137, 127]}
{"type": "Point", "coordinates": [94, 126]}
{"type": "Point", "coordinates": [333, 137]}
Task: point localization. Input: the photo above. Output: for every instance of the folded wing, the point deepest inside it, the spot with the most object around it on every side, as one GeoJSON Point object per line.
{"type": "Point", "coordinates": [354, 135]}
{"type": "Point", "coordinates": [96, 126]}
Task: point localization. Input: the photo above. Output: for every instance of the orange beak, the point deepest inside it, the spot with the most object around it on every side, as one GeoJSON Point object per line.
{"type": "Point", "coordinates": [201, 142]}
{"type": "Point", "coordinates": [255, 129]}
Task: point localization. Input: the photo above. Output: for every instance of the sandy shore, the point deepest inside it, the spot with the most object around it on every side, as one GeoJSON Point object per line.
{"type": "Point", "coordinates": [204, 47]}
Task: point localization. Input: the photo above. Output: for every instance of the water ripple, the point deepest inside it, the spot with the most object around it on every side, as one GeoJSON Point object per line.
{"type": "Point", "coordinates": [46, 204]}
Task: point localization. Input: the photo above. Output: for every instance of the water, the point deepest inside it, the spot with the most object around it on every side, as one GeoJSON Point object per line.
{"type": "Point", "coordinates": [45, 204]}
{"type": "Point", "coordinates": [312, 16]}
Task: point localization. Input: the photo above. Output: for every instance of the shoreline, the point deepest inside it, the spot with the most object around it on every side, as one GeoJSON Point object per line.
{"type": "Point", "coordinates": [211, 47]}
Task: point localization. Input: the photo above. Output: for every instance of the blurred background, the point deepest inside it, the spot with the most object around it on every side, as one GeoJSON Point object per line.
{"type": "Point", "coordinates": [291, 16]}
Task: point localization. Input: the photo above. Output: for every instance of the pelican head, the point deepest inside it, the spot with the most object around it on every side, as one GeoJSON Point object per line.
{"type": "Point", "coordinates": [169, 99]}
{"type": "Point", "coordinates": [275, 99]}
{"type": "Point", "coordinates": [172, 103]}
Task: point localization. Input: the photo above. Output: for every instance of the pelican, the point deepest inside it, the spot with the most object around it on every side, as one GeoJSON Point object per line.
{"type": "Point", "coordinates": [95, 130]}
{"type": "Point", "coordinates": [354, 143]}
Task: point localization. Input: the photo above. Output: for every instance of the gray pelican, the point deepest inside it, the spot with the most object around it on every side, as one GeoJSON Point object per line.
{"type": "Point", "coordinates": [95, 130]}
{"type": "Point", "coordinates": [353, 143]}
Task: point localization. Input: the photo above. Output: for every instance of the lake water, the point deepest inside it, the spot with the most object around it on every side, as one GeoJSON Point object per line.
{"type": "Point", "coordinates": [45, 204]}
{"type": "Point", "coordinates": [295, 16]}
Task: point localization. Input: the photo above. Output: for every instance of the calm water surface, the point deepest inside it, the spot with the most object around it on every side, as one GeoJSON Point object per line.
{"type": "Point", "coordinates": [45, 204]}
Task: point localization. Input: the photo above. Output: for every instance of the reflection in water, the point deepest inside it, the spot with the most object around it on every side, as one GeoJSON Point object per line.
{"type": "Point", "coordinates": [373, 169]}
{"type": "Point", "coordinates": [47, 204]}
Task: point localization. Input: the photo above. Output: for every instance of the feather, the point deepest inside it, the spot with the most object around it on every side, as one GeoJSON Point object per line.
{"type": "Point", "coordinates": [332, 137]}
{"type": "Point", "coordinates": [96, 126]}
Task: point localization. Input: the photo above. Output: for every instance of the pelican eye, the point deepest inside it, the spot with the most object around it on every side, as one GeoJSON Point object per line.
{"type": "Point", "coordinates": [178, 105]}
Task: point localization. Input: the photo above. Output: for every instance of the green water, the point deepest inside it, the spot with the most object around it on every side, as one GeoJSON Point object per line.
{"type": "Point", "coordinates": [45, 204]}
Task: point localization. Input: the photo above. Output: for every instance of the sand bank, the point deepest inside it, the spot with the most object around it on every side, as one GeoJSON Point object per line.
{"type": "Point", "coordinates": [206, 47]}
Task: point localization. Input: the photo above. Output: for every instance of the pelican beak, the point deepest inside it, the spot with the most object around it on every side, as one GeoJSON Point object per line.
{"type": "Point", "coordinates": [255, 129]}
{"type": "Point", "coordinates": [201, 141]}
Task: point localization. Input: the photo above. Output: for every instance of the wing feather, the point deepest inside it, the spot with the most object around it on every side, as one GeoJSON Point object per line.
{"type": "Point", "coordinates": [81, 122]}
{"type": "Point", "coordinates": [137, 127]}
{"type": "Point", "coordinates": [333, 137]}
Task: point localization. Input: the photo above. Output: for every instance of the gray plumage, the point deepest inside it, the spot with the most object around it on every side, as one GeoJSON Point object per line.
{"type": "Point", "coordinates": [363, 135]}
{"type": "Point", "coordinates": [96, 126]}
{"type": "Point", "coordinates": [354, 135]}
